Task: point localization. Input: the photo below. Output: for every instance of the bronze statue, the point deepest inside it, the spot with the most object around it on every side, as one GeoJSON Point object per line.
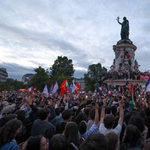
{"type": "Point", "coordinates": [124, 28]}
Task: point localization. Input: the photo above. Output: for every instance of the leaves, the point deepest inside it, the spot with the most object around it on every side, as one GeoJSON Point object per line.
{"type": "Point", "coordinates": [62, 69]}
{"type": "Point", "coordinates": [40, 79]}
{"type": "Point", "coordinates": [95, 72]}
{"type": "Point", "coordinates": [11, 84]}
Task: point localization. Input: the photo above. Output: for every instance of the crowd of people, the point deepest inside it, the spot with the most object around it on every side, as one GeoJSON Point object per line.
{"type": "Point", "coordinates": [124, 75]}
{"type": "Point", "coordinates": [84, 121]}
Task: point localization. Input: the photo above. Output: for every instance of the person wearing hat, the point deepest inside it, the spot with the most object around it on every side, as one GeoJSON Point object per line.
{"type": "Point", "coordinates": [131, 105]}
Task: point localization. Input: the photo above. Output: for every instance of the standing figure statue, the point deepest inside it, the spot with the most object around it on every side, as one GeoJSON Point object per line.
{"type": "Point", "coordinates": [124, 28]}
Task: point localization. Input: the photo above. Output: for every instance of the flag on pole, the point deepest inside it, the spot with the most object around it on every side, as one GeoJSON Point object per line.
{"type": "Point", "coordinates": [63, 87]}
{"type": "Point", "coordinates": [122, 89]}
{"type": "Point", "coordinates": [45, 91]}
{"type": "Point", "coordinates": [109, 92]}
{"type": "Point", "coordinates": [131, 89]}
{"type": "Point", "coordinates": [78, 87]}
{"type": "Point", "coordinates": [147, 86]}
{"type": "Point", "coordinates": [30, 88]}
{"type": "Point", "coordinates": [73, 87]}
{"type": "Point", "coordinates": [55, 88]}
{"type": "Point", "coordinates": [67, 85]}
{"type": "Point", "coordinates": [70, 88]}
{"type": "Point", "coordinates": [51, 89]}
{"type": "Point", "coordinates": [100, 88]}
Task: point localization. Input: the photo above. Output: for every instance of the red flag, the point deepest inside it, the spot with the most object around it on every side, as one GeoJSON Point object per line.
{"type": "Point", "coordinates": [63, 87]}
{"type": "Point", "coordinates": [128, 56]}
{"type": "Point", "coordinates": [122, 88]}
{"type": "Point", "coordinates": [131, 89]}
{"type": "Point", "coordinates": [78, 88]}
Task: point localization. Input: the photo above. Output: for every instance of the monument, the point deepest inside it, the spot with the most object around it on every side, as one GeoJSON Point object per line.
{"type": "Point", "coordinates": [124, 51]}
{"type": "Point", "coordinates": [124, 57]}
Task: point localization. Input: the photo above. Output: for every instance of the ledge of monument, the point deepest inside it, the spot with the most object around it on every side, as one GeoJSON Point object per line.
{"type": "Point", "coordinates": [124, 81]}
{"type": "Point", "coordinates": [124, 41]}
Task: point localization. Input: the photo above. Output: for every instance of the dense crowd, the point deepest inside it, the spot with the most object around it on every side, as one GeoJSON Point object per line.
{"type": "Point", "coordinates": [84, 121]}
{"type": "Point", "coordinates": [119, 75]}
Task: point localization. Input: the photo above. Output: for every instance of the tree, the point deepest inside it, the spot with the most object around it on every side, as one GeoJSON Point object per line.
{"type": "Point", "coordinates": [62, 69]}
{"type": "Point", "coordinates": [40, 79]}
{"type": "Point", "coordinates": [11, 85]}
{"type": "Point", "coordinates": [95, 72]}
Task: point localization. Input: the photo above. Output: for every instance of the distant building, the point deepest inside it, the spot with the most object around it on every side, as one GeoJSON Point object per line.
{"type": "Point", "coordinates": [3, 74]}
{"type": "Point", "coordinates": [80, 82]}
{"type": "Point", "coordinates": [26, 78]}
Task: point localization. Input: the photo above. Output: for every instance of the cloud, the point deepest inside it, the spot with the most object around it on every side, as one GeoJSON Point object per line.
{"type": "Point", "coordinates": [15, 71]}
{"type": "Point", "coordinates": [34, 33]}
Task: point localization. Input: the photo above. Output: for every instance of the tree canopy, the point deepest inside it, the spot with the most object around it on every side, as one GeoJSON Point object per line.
{"type": "Point", "coordinates": [95, 72]}
{"type": "Point", "coordinates": [40, 79]}
{"type": "Point", "coordinates": [11, 84]}
{"type": "Point", "coordinates": [61, 69]}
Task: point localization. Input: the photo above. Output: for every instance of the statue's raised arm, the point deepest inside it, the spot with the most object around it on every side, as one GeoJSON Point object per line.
{"type": "Point", "coordinates": [118, 20]}
{"type": "Point", "coordinates": [124, 28]}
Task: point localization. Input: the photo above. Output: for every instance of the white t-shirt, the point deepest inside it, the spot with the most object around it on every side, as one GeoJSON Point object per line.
{"type": "Point", "coordinates": [117, 130]}
{"type": "Point", "coordinates": [104, 130]}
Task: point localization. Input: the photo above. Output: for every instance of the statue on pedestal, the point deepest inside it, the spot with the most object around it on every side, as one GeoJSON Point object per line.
{"type": "Point", "coordinates": [124, 28]}
{"type": "Point", "coordinates": [124, 31]}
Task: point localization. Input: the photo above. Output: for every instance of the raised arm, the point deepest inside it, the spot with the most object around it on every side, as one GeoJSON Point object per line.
{"type": "Point", "coordinates": [96, 115]}
{"type": "Point", "coordinates": [118, 20]}
{"type": "Point", "coordinates": [145, 103]}
{"type": "Point", "coordinates": [103, 111]}
{"type": "Point", "coordinates": [121, 112]}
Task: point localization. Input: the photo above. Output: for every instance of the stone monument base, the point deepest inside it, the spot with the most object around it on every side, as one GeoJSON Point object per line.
{"type": "Point", "coordinates": [124, 81]}
{"type": "Point", "coordinates": [125, 57]}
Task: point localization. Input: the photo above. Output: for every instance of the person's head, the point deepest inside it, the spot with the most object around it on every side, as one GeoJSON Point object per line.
{"type": "Point", "coordinates": [21, 115]}
{"type": "Point", "coordinates": [142, 113]}
{"type": "Point", "coordinates": [82, 127]}
{"type": "Point", "coordinates": [112, 139]}
{"type": "Point", "coordinates": [62, 109]}
{"type": "Point", "coordinates": [147, 111]}
{"type": "Point", "coordinates": [147, 145]}
{"type": "Point", "coordinates": [57, 111]}
{"type": "Point", "coordinates": [132, 135]}
{"type": "Point", "coordinates": [113, 110]}
{"type": "Point", "coordinates": [71, 133]}
{"type": "Point", "coordinates": [124, 18]}
{"type": "Point", "coordinates": [67, 115]}
{"type": "Point", "coordinates": [131, 105]}
{"type": "Point", "coordinates": [127, 117]}
{"type": "Point", "coordinates": [58, 142]}
{"type": "Point", "coordinates": [94, 142]}
{"type": "Point", "coordinates": [138, 122]}
{"type": "Point", "coordinates": [7, 118]}
{"type": "Point", "coordinates": [87, 111]}
{"type": "Point", "coordinates": [37, 143]}
{"type": "Point", "coordinates": [9, 131]}
{"type": "Point", "coordinates": [112, 98]}
{"type": "Point", "coordinates": [109, 121]}
{"type": "Point", "coordinates": [1, 108]}
{"type": "Point", "coordinates": [81, 116]}
{"type": "Point", "coordinates": [92, 113]}
{"type": "Point", "coordinates": [44, 113]}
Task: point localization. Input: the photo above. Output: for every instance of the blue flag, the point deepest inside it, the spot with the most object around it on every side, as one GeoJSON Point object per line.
{"type": "Point", "coordinates": [45, 91]}
{"type": "Point", "coordinates": [55, 88]}
{"type": "Point", "coordinates": [147, 86]}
